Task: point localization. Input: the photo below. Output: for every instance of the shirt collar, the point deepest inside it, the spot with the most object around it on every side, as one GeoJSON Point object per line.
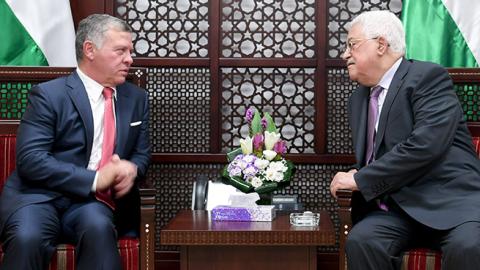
{"type": "Point", "coordinates": [388, 76]}
{"type": "Point", "coordinates": [93, 88]}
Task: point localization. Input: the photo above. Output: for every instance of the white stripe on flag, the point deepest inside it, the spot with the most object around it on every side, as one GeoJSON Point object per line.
{"type": "Point", "coordinates": [466, 14]}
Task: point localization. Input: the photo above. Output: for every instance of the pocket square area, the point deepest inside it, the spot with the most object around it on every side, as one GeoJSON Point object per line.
{"type": "Point", "coordinates": [135, 123]}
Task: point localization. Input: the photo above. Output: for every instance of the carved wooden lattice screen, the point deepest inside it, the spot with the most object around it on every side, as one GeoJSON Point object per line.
{"type": "Point", "coordinates": [210, 60]}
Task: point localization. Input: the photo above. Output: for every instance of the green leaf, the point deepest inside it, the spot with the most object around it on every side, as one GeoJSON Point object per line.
{"type": "Point", "coordinates": [266, 187]}
{"type": "Point", "coordinates": [232, 154]}
{"type": "Point", "coordinates": [290, 170]}
{"type": "Point", "coordinates": [270, 124]}
{"type": "Point", "coordinates": [256, 125]}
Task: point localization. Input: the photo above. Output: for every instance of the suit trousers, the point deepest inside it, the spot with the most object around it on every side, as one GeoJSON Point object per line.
{"type": "Point", "coordinates": [379, 240]}
{"type": "Point", "coordinates": [32, 233]}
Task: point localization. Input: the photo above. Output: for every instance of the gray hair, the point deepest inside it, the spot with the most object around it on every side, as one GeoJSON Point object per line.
{"type": "Point", "coordinates": [93, 28]}
{"type": "Point", "coordinates": [383, 23]}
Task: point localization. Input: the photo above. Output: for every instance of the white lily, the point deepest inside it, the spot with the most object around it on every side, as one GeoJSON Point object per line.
{"type": "Point", "coordinates": [246, 145]}
{"type": "Point", "coordinates": [270, 139]}
{"type": "Point", "coordinates": [269, 154]}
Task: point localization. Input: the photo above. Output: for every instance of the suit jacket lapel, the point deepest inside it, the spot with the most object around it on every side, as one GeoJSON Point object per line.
{"type": "Point", "coordinates": [123, 110]}
{"type": "Point", "coordinates": [359, 121]}
{"type": "Point", "coordinates": [393, 90]}
{"type": "Point", "coordinates": [78, 94]}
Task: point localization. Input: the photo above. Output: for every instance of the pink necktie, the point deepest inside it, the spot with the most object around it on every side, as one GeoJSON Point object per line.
{"type": "Point", "coordinates": [108, 143]}
{"type": "Point", "coordinates": [372, 119]}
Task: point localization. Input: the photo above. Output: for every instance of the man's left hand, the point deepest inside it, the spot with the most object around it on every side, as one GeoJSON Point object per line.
{"type": "Point", "coordinates": [126, 178]}
{"type": "Point", "coordinates": [343, 180]}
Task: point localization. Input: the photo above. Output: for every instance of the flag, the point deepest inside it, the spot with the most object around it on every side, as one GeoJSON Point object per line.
{"type": "Point", "coordinates": [36, 33]}
{"type": "Point", "coordinates": [443, 31]}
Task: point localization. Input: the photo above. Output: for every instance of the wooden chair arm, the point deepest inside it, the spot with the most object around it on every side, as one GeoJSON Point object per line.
{"type": "Point", "coordinates": [344, 197]}
{"type": "Point", "coordinates": [344, 200]}
{"type": "Point", "coordinates": [147, 225]}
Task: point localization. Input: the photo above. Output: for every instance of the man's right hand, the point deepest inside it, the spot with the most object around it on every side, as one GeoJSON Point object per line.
{"type": "Point", "coordinates": [117, 174]}
{"type": "Point", "coordinates": [108, 173]}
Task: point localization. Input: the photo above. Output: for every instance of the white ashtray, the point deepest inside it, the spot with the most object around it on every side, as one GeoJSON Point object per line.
{"type": "Point", "coordinates": [306, 218]}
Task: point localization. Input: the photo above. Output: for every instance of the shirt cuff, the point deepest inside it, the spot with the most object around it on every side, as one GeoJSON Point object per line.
{"type": "Point", "coordinates": [94, 185]}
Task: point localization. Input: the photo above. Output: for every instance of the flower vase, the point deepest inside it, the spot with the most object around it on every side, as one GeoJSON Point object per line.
{"type": "Point", "coordinates": [265, 198]}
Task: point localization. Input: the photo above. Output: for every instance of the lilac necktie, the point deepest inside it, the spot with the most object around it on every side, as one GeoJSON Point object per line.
{"type": "Point", "coordinates": [372, 119]}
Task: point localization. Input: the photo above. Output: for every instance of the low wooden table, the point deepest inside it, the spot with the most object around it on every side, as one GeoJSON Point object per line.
{"type": "Point", "coordinates": [276, 245]}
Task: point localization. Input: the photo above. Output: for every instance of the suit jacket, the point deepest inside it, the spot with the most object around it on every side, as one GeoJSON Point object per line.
{"type": "Point", "coordinates": [54, 143]}
{"type": "Point", "coordinates": [425, 159]}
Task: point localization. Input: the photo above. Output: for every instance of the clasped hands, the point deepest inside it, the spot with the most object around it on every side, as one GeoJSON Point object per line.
{"type": "Point", "coordinates": [118, 174]}
{"type": "Point", "coordinates": [343, 180]}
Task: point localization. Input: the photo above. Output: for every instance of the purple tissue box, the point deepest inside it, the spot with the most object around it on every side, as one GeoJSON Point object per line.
{"type": "Point", "coordinates": [230, 213]}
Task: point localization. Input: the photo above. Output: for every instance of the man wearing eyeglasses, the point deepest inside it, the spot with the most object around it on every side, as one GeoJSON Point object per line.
{"type": "Point", "coordinates": [417, 175]}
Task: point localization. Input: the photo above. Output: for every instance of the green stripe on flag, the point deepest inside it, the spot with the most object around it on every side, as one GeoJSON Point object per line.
{"type": "Point", "coordinates": [432, 35]}
{"type": "Point", "coordinates": [17, 48]}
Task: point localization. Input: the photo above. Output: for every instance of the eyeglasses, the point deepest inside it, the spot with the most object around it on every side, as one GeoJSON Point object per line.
{"type": "Point", "coordinates": [354, 43]}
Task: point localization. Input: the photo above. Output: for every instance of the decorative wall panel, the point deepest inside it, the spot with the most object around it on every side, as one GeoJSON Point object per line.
{"type": "Point", "coordinates": [341, 12]}
{"type": "Point", "coordinates": [285, 93]}
{"type": "Point", "coordinates": [13, 99]}
{"type": "Point", "coordinates": [268, 28]}
{"type": "Point", "coordinates": [179, 109]}
{"type": "Point", "coordinates": [166, 28]}
{"type": "Point", "coordinates": [339, 88]}
{"type": "Point", "coordinates": [468, 95]}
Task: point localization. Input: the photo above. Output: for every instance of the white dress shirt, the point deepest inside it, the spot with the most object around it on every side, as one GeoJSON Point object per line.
{"type": "Point", "coordinates": [97, 103]}
{"type": "Point", "coordinates": [385, 83]}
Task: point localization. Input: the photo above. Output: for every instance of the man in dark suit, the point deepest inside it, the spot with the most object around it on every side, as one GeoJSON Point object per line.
{"type": "Point", "coordinates": [62, 162]}
{"type": "Point", "coordinates": [421, 182]}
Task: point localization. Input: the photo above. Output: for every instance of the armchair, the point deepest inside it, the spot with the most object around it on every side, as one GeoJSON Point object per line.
{"type": "Point", "coordinates": [136, 252]}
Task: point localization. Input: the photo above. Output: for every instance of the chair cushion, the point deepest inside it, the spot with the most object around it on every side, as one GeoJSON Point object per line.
{"type": "Point", "coordinates": [7, 157]}
{"type": "Point", "coordinates": [129, 252]}
{"type": "Point", "coordinates": [422, 259]}
{"type": "Point", "coordinates": [476, 144]}
{"type": "Point", "coordinates": [64, 258]}
{"type": "Point", "coordinates": [426, 259]}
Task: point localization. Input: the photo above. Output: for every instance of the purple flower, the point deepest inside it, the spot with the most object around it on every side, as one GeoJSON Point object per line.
{"type": "Point", "coordinates": [249, 114]}
{"type": "Point", "coordinates": [250, 171]}
{"type": "Point", "coordinates": [258, 142]}
{"type": "Point", "coordinates": [264, 123]}
{"type": "Point", "coordinates": [238, 157]}
{"type": "Point", "coordinates": [280, 147]}
{"type": "Point", "coordinates": [234, 171]}
{"type": "Point", "coordinates": [249, 159]}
